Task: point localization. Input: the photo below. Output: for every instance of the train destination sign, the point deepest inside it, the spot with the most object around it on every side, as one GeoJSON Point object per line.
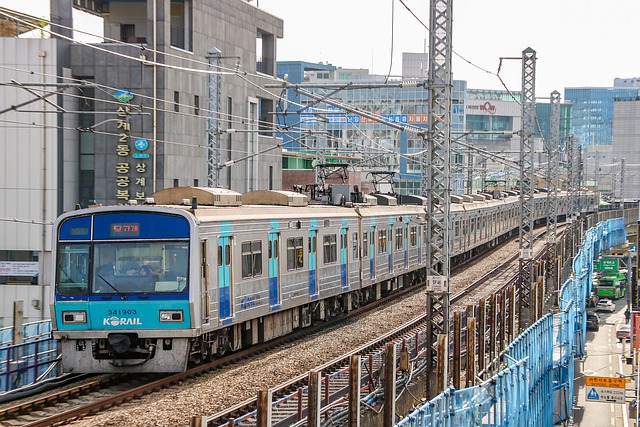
{"type": "Point", "coordinates": [605, 389]}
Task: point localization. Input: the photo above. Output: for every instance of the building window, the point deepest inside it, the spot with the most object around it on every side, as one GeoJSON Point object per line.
{"type": "Point", "coordinates": [330, 249]}
{"type": "Point", "coordinates": [196, 105]}
{"type": "Point", "coordinates": [295, 254]}
{"type": "Point", "coordinates": [176, 101]}
{"type": "Point", "coordinates": [195, 182]}
{"type": "Point", "coordinates": [128, 33]}
{"type": "Point", "coordinates": [251, 259]}
{"type": "Point", "coordinates": [176, 183]}
{"type": "Point", "coordinates": [19, 267]}
{"type": "Point", "coordinates": [181, 24]}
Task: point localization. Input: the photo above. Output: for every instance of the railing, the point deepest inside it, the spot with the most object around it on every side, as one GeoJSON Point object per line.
{"type": "Point", "coordinates": [536, 385]}
{"type": "Point", "coordinates": [31, 361]}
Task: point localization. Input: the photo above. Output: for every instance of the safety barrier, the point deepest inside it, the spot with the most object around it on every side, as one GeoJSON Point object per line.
{"type": "Point", "coordinates": [536, 385]}
{"type": "Point", "coordinates": [32, 360]}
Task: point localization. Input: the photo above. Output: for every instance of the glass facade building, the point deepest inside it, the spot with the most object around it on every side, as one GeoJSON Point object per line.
{"type": "Point", "coordinates": [593, 112]}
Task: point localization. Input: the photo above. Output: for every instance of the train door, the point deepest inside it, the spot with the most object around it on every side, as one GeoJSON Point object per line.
{"type": "Point", "coordinates": [275, 294]}
{"type": "Point", "coordinates": [204, 279]}
{"type": "Point", "coordinates": [390, 248]}
{"type": "Point", "coordinates": [405, 246]}
{"type": "Point", "coordinates": [344, 232]}
{"type": "Point", "coordinates": [419, 240]}
{"type": "Point", "coordinates": [225, 289]}
{"type": "Point", "coordinates": [372, 252]}
{"type": "Point", "coordinates": [313, 264]}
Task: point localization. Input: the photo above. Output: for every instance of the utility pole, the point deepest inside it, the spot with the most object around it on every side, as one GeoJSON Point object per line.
{"type": "Point", "coordinates": [436, 184]}
{"type": "Point", "coordinates": [526, 185]}
{"type": "Point", "coordinates": [552, 194]}
{"type": "Point", "coordinates": [213, 118]}
{"type": "Point", "coordinates": [469, 172]}
{"type": "Point", "coordinates": [622, 186]}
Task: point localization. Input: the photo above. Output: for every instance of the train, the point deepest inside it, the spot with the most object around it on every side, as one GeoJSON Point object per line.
{"type": "Point", "coordinates": [193, 273]}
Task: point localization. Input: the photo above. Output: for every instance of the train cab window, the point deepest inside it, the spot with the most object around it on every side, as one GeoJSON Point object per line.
{"type": "Point", "coordinates": [72, 270]}
{"type": "Point", "coordinates": [251, 259]}
{"type": "Point", "coordinates": [413, 236]}
{"type": "Point", "coordinates": [295, 253]}
{"type": "Point", "coordinates": [330, 249]}
{"type": "Point", "coordinates": [139, 267]}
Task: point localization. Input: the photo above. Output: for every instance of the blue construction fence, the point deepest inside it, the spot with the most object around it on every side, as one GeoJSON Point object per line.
{"type": "Point", "coordinates": [535, 387]}
{"type": "Point", "coordinates": [31, 361]}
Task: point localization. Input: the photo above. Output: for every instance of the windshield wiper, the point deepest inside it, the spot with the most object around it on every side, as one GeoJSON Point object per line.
{"type": "Point", "coordinates": [120, 294]}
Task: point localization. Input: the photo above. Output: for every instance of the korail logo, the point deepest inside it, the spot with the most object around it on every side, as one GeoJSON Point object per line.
{"type": "Point", "coordinates": [121, 321]}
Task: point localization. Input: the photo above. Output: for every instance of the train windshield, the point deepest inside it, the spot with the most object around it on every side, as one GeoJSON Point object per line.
{"type": "Point", "coordinates": [122, 268]}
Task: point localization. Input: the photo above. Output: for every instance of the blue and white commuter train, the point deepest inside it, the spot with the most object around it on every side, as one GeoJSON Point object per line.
{"type": "Point", "coordinates": [203, 271]}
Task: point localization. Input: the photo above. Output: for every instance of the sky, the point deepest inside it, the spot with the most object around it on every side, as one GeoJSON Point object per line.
{"type": "Point", "coordinates": [578, 42]}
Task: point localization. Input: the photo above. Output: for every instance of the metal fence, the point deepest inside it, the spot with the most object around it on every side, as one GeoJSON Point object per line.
{"type": "Point", "coordinates": [29, 362]}
{"type": "Point", "coordinates": [536, 385]}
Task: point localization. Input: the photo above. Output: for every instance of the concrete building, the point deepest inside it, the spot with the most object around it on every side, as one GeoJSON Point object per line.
{"type": "Point", "coordinates": [115, 121]}
{"type": "Point", "coordinates": [626, 146]}
{"type": "Point", "coordinates": [327, 130]}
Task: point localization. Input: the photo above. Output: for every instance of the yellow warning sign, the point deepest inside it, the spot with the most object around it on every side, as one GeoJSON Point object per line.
{"type": "Point", "coordinates": [605, 382]}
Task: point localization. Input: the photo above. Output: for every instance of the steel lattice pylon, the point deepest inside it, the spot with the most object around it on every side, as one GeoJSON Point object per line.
{"type": "Point", "coordinates": [553, 146]}
{"type": "Point", "coordinates": [213, 119]}
{"type": "Point", "coordinates": [526, 185]}
{"type": "Point", "coordinates": [436, 177]}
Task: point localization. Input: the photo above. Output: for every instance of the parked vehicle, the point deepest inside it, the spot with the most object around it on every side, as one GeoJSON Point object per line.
{"type": "Point", "coordinates": [623, 332]}
{"type": "Point", "coordinates": [606, 305]}
{"type": "Point", "coordinates": [593, 322]}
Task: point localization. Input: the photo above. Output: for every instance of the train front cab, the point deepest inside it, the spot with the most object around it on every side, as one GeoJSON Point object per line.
{"type": "Point", "coordinates": [107, 315]}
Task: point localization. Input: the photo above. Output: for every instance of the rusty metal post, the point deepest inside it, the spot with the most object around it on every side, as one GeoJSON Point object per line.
{"type": "Point", "coordinates": [457, 354]}
{"type": "Point", "coordinates": [300, 406]}
{"type": "Point", "coordinates": [389, 413]}
{"type": "Point", "coordinates": [493, 313]}
{"type": "Point", "coordinates": [482, 329]}
{"type": "Point", "coordinates": [313, 399]}
{"type": "Point", "coordinates": [442, 355]}
{"type": "Point", "coordinates": [327, 397]}
{"type": "Point", "coordinates": [512, 313]}
{"type": "Point", "coordinates": [471, 351]}
{"type": "Point", "coordinates": [263, 418]}
{"type": "Point", "coordinates": [503, 319]}
{"type": "Point", "coordinates": [354, 391]}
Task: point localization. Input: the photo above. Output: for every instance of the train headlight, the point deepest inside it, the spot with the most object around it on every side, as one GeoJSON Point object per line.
{"type": "Point", "coordinates": [74, 317]}
{"type": "Point", "coordinates": [171, 316]}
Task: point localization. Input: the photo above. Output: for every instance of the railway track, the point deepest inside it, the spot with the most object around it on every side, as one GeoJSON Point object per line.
{"type": "Point", "coordinates": [291, 396]}
{"type": "Point", "coordinates": [91, 398]}
{"type": "Point", "coordinates": [42, 411]}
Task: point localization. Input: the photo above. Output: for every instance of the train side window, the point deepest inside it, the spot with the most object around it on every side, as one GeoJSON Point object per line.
{"type": "Point", "coordinates": [382, 241]}
{"type": "Point", "coordinates": [399, 237]}
{"type": "Point", "coordinates": [413, 239]}
{"type": "Point", "coordinates": [251, 259]}
{"type": "Point", "coordinates": [295, 258]}
{"type": "Point", "coordinates": [365, 244]}
{"type": "Point", "coordinates": [355, 245]}
{"type": "Point", "coordinates": [330, 248]}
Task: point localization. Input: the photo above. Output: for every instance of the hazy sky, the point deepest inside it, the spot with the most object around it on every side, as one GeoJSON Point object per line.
{"type": "Point", "coordinates": [578, 42]}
